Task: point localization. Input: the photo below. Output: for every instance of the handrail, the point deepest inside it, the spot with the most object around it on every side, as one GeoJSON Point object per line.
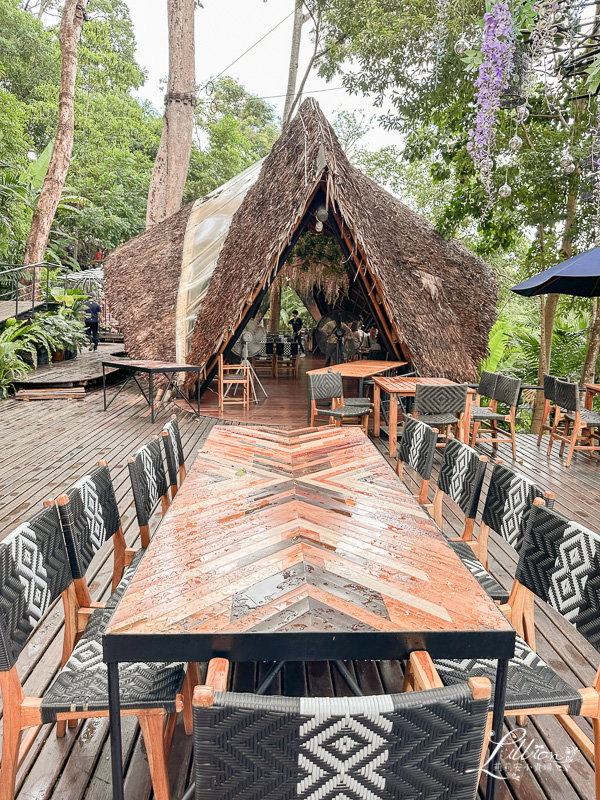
{"type": "Point", "coordinates": [14, 269]}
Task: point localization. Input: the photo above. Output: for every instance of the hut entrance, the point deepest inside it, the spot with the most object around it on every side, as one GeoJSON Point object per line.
{"type": "Point", "coordinates": [321, 277]}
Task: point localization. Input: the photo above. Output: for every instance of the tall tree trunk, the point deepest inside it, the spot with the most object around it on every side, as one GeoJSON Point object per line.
{"type": "Point", "coordinates": [275, 307]}
{"type": "Point", "coordinates": [294, 60]}
{"type": "Point", "coordinates": [588, 373]}
{"type": "Point", "coordinates": [173, 158]}
{"type": "Point", "coordinates": [290, 96]}
{"type": "Point", "coordinates": [43, 217]}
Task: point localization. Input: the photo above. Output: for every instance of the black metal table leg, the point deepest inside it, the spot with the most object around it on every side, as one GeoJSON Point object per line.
{"type": "Point", "coordinates": [198, 390]}
{"type": "Point", "coordinates": [151, 395]}
{"type": "Point", "coordinates": [114, 715]}
{"type": "Point", "coordinates": [104, 384]}
{"type": "Point", "coordinates": [497, 724]}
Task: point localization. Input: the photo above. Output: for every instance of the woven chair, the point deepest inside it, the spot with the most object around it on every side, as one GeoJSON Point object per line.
{"type": "Point", "coordinates": [90, 517]}
{"type": "Point", "coordinates": [34, 572]}
{"type": "Point", "coordinates": [506, 391]}
{"type": "Point", "coordinates": [560, 565]}
{"type": "Point", "coordinates": [487, 385]}
{"type": "Point", "coordinates": [329, 386]}
{"type": "Point", "coordinates": [506, 511]}
{"type": "Point", "coordinates": [461, 479]}
{"type": "Point", "coordinates": [287, 358]}
{"type": "Point", "coordinates": [417, 448]}
{"type": "Point", "coordinates": [328, 747]}
{"type": "Point", "coordinates": [174, 454]}
{"type": "Point", "coordinates": [149, 484]}
{"type": "Point", "coordinates": [549, 391]}
{"type": "Point", "coordinates": [580, 425]}
{"type": "Point", "coordinates": [442, 407]}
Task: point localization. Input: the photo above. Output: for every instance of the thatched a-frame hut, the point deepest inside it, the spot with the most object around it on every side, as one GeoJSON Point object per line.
{"type": "Point", "coordinates": [187, 287]}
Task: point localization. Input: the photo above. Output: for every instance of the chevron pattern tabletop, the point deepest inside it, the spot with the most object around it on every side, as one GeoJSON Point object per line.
{"type": "Point", "coordinates": [300, 545]}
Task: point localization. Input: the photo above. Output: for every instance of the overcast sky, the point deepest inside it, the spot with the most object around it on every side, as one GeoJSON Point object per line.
{"type": "Point", "coordinates": [224, 30]}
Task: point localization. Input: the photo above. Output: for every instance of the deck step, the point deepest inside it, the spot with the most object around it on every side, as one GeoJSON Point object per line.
{"type": "Point", "coordinates": [72, 393]}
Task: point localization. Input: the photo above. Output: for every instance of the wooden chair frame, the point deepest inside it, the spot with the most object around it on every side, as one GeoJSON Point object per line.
{"type": "Point", "coordinates": [492, 425]}
{"type": "Point", "coordinates": [24, 713]}
{"type": "Point", "coordinates": [436, 510]}
{"type": "Point", "coordinates": [337, 402]}
{"type": "Point", "coordinates": [233, 375]}
{"type": "Point", "coordinates": [182, 469]}
{"type": "Point", "coordinates": [286, 364]}
{"type": "Point", "coordinates": [519, 610]}
{"type": "Point", "coordinates": [421, 497]}
{"type": "Point", "coordinates": [165, 502]}
{"type": "Point", "coordinates": [549, 407]}
{"type": "Point", "coordinates": [445, 432]}
{"type": "Point", "coordinates": [572, 436]}
{"type": "Point", "coordinates": [479, 546]}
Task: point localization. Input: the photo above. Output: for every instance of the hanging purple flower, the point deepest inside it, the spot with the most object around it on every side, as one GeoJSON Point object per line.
{"type": "Point", "coordinates": [497, 47]}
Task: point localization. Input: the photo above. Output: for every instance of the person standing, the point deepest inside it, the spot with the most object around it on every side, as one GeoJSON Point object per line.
{"type": "Point", "coordinates": [296, 324]}
{"type": "Point", "coordinates": [92, 320]}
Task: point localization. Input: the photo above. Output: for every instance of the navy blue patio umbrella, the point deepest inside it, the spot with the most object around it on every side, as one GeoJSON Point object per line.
{"type": "Point", "coordinates": [578, 276]}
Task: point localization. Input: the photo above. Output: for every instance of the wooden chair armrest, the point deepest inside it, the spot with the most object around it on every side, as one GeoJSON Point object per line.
{"type": "Point", "coordinates": [421, 673]}
{"type": "Point", "coordinates": [84, 614]}
{"type": "Point", "coordinates": [216, 681]}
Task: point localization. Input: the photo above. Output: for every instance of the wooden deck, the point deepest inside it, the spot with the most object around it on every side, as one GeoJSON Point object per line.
{"type": "Point", "coordinates": [48, 445]}
{"type": "Point", "coordinates": [85, 370]}
{"type": "Point", "coordinates": [7, 308]}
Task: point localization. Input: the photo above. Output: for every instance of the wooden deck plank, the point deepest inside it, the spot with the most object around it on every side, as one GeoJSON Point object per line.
{"type": "Point", "coordinates": [51, 444]}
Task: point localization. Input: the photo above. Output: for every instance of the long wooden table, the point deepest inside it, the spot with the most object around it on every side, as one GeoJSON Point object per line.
{"type": "Point", "coordinates": [407, 387]}
{"type": "Point", "coordinates": [302, 545]}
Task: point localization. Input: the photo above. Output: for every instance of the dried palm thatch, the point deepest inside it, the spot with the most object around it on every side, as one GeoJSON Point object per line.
{"type": "Point", "coordinates": [439, 296]}
{"type": "Point", "coordinates": [141, 280]}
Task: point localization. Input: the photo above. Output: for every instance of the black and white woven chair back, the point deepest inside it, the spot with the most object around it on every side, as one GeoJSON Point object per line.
{"type": "Point", "coordinates": [287, 349]}
{"type": "Point", "coordinates": [326, 386]}
{"type": "Point", "coordinates": [560, 563]}
{"type": "Point", "coordinates": [173, 450]}
{"type": "Point", "coordinates": [549, 387]}
{"type": "Point", "coordinates": [387, 747]}
{"type": "Point", "coordinates": [417, 446]}
{"type": "Point", "coordinates": [461, 476]}
{"type": "Point", "coordinates": [90, 518]}
{"type": "Point", "coordinates": [148, 480]}
{"type": "Point", "coordinates": [507, 390]}
{"type": "Point", "coordinates": [440, 399]}
{"type": "Point", "coordinates": [508, 504]}
{"type": "Point", "coordinates": [34, 571]}
{"type": "Point", "coordinates": [487, 384]}
{"type": "Point", "coordinates": [566, 395]}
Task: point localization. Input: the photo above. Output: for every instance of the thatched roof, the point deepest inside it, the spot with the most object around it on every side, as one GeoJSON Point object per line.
{"type": "Point", "coordinates": [141, 281]}
{"type": "Point", "coordinates": [440, 297]}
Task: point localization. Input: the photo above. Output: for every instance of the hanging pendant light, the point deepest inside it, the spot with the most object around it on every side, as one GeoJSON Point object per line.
{"type": "Point", "coordinates": [505, 191]}
{"type": "Point", "coordinates": [522, 114]}
{"type": "Point", "coordinates": [515, 143]}
{"type": "Point", "coordinates": [461, 46]}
